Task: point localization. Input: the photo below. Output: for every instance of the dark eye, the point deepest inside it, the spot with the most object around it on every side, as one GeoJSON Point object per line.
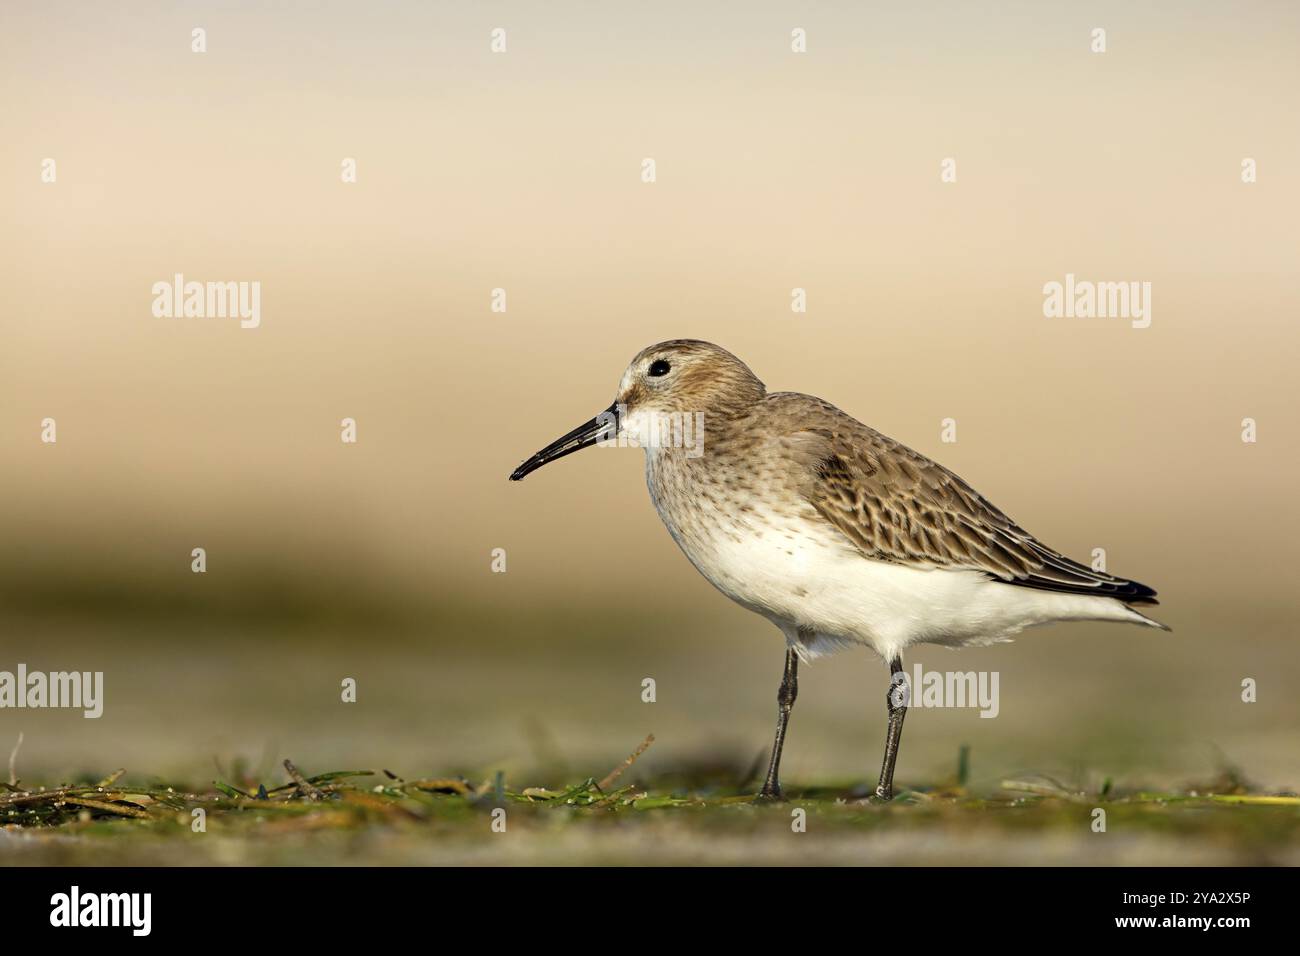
{"type": "Point", "coordinates": [659, 367]}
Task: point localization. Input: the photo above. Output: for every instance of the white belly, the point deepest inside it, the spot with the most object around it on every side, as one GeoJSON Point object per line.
{"type": "Point", "coordinates": [804, 575]}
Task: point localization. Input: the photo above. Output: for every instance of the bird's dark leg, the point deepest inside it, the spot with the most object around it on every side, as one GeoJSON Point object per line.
{"type": "Point", "coordinates": [896, 700]}
{"type": "Point", "coordinates": [785, 703]}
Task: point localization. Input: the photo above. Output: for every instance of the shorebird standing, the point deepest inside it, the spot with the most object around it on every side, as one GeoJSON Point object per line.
{"type": "Point", "coordinates": [833, 532]}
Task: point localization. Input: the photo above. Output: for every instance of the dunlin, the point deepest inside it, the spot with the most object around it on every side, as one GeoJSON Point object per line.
{"type": "Point", "coordinates": [833, 532]}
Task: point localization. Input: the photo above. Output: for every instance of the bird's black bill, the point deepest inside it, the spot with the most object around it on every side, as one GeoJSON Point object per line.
{"type": "Point", "coordinates": [603, 425]}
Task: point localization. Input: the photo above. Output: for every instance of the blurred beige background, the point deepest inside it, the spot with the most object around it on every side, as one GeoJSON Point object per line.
{"type": "Point", "coordinates": [521, 171]}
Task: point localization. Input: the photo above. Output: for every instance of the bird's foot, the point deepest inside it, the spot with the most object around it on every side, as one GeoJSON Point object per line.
{"type": "Point", "coordinates": [878, 798]}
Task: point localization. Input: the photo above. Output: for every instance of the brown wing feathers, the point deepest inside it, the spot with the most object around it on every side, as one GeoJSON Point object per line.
{"type": "Point", "coordinates": [896, 505]}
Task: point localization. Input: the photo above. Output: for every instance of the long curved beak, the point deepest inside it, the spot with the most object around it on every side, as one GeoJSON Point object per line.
{"type": "Point", "coordinates": [604, 425]}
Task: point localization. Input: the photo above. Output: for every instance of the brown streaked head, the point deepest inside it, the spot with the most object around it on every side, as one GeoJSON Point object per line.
{"type": "Point", "coordinates": [678, 376]}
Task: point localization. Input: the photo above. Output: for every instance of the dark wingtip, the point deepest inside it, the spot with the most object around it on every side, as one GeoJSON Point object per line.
{"type": "Point", "coordinates": [1135, 592]}
{"type": "Point", "coordinates": [1132, 593]}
